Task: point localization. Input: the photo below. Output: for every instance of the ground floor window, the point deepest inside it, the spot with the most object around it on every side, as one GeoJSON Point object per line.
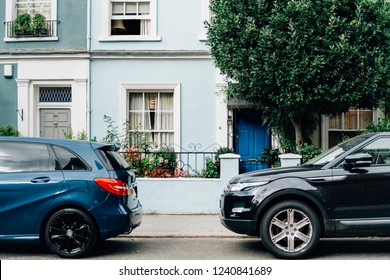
{"type": "Point", "coordinates": [151, 117]}
{"type": "Point", "coordinates": [348, 124]}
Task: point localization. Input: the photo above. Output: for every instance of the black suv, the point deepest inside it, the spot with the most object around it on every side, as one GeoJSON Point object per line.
{"type": "Point", "coordinates": [344, 192]}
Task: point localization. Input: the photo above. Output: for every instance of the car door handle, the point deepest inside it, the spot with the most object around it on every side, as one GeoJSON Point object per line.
{"type": "Point", "coordinates": [40, 180]}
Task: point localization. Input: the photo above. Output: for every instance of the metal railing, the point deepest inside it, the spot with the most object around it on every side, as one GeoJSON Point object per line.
{"type": "Point", "coordinates": [166, 163]}
{"type": "Point", "coordinates": [50, 30]}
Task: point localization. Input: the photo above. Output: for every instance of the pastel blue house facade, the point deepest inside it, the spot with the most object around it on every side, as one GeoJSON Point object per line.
{"type": "Point", "coordinates": [158, 75]}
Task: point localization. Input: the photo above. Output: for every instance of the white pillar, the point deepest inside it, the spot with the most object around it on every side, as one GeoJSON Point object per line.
{"type": "Point", "coordinates": [229, 167]}
{"type": "Point", "coordinates": [25, 119]}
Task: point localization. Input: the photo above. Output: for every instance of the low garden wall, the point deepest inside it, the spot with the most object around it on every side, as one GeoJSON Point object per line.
{"type": "Point", "coordinates": [186, 195]}
{"type": "Point", "coordinates": [179, 195]}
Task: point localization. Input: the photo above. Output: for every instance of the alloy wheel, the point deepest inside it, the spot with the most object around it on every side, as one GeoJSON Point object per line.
{"type": "Point", "coordinates": [70, 233]}
{"type": "Point", "coordinates": [290, 230]}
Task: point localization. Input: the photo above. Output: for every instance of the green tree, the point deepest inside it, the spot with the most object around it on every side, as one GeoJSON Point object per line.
{"type": "Point", "coordinates": [298, 59]}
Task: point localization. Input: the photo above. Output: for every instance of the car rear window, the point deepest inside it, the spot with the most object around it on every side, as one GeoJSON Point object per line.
{"type": "Point", "coordinates": [111, 159]}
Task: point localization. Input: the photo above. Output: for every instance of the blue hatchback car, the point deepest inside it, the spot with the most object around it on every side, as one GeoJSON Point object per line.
{"type": "Point", "coordinates": [66, 194]}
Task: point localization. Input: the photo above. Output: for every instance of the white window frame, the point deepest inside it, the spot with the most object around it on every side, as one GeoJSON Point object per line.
{"type": "Point", "coordinates": [106, 24]}
{"type": "Point", "coordinates": [11, 13]}
{"type": "Point", "coordinates": [126, 90]}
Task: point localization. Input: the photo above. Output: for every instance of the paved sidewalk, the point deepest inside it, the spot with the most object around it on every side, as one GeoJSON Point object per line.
{"type": "Point", "coordinates": [182, 226]}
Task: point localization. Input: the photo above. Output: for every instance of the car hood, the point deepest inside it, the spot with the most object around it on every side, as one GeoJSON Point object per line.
{"type": "Point", "coordinates": [273, 173]}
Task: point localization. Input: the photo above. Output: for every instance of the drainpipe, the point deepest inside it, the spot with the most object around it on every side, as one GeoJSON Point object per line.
{"type": "Point", "coordinates": [88, 109]}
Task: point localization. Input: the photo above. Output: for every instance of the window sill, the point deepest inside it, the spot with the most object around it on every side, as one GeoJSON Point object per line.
{"type": "Point", "coordinates": [120, 38]}
{"type": "Point", "coordinates": [30, 39]}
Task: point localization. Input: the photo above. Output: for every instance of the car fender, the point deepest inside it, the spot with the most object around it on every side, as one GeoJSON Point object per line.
{"type": "Point", "coordinates": [295, 189]}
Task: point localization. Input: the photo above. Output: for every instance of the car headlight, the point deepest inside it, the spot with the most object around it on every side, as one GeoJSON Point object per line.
{"type": "Point", "coordinates": [241, 186]}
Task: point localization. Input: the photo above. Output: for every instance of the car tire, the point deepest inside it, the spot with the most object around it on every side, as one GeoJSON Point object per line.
{"type": "Point", "coordinates": [70, 233]}
{"type": "Point", "coordinates": [290, 230]}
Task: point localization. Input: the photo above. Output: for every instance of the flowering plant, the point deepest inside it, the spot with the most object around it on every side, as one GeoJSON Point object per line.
{"type": "Point", "coordinates": [162, 164]}
{"type": "Point", "coordinates": [158, 164]}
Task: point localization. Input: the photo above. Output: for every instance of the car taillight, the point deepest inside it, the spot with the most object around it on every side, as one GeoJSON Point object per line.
{"type": "Point", "coordinates": [114, 186]}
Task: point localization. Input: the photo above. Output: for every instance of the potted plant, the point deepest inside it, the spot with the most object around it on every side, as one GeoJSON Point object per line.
{"type": "Point", "coordinates": [222, 150]}
{"type": "Point", "coordinates": [22, 25]}
{"type": "Point", "coordinates": [39, 25]}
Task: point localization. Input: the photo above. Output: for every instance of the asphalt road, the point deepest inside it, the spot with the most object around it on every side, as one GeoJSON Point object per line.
{"type": "Point", "coordinates": [205, 248]}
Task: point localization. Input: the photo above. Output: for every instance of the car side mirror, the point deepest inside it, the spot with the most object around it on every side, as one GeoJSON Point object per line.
{"type": "Point", "coordinates": [357, 161]}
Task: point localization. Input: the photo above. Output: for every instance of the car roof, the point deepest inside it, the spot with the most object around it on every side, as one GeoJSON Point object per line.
{"type": "Point", "coordinates": [61, 142]}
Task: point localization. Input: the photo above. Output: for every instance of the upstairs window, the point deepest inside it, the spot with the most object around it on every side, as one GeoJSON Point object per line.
{"type": "Point", "coordinates": [131, 18]}
{"type": "Point", "coordinates": [34, 6]}
{"type": "Point", "coordinates": [31, 19]}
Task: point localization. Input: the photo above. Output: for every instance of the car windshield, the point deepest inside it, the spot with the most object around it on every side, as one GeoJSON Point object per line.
{"type": "Point", "coordinates": [337, 150]}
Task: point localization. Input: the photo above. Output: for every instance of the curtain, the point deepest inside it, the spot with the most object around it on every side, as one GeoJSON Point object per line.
{"type": "Point", "coordinates": [135, 116]}
{"type": "Point", "coordinates": [153, 113]}
{"type": "Point", "coordinates": [166, 120]}
{"type": "Point", "coordinates": [145, 27]}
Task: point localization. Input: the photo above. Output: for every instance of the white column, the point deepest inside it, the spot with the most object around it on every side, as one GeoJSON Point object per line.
{"type": "Point", "coordinates": [80, 110]}
{"type": "Point", "coordinates": [25, 119]}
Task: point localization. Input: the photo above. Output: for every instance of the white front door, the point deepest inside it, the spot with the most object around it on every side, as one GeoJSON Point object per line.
{"type": "Point", "coordinates": [54, 122]}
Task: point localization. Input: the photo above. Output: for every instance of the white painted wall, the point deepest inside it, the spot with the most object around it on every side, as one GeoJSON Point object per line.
{"type": "Point", "coordinates": [186, 195]}
{"type": "Point", "coordinates": [33, 73]}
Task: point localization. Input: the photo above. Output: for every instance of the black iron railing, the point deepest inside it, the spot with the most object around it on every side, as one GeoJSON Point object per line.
{"type": "Point", "coordinates": [48, 30]}
{"type": "Point", "coordinates": [167, 163]}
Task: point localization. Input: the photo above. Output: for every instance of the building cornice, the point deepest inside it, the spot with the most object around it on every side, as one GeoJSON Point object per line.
{"type": "Point", "coordinates": [150, 54]}
{"type": "Point", "coordinates": [103, 54]}
{"type": "Point", "coordinates": [43, 53]}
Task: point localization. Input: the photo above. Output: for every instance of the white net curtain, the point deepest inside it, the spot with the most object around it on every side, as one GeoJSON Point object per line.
{"type": "Point", "coordinates": [152, 114]}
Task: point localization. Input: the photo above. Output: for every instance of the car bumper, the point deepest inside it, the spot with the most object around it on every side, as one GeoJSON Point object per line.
{"type": "Point", "coordinates": [135, 217]}
{"type": "Point", "coordinates": [248, 227]}
{"type": "Point", "coordinates": [119, 220]}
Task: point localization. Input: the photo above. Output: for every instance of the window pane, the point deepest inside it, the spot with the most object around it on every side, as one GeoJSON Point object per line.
{"type": "Point", "coordinates": [68, 160]}
{"type": "Point", "coordinates": [166, 121]}
{"type": "Point", "coordinates": [33, 7]}
{"type": "Point", "coordinates": [117, 8]}
{"type": "Point", "coordinates": [144, 8]}
{"type": "Point", "coordinates": [166, 100]}
{"type": "Point", "coordinates": [19, 157]}
{"type": "Point", "coordinates": [151, 101]}
{"type": "Point", "coordinates": [135, 121]}
{"type": "Point", "coordinates": [131, 8]}
{"type": "Point", "coordinates": [132, 27]}
{"type": "Point", "coordinates": [379, 150]}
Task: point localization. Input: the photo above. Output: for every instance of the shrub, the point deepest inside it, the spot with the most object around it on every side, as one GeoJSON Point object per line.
{"type": "Point", "coordinates": [270, 156]}
{"type": "Point", "coordinates": [211, 170]}
{"type": "Point", "coordinates": [8, 130]}
{"type": "Point", "coordinates": [382, 126]}
{"type": "Point", "coordinates": [309, 151]}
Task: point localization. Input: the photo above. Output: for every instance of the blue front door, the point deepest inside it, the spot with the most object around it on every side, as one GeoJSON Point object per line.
{"type": "Point", "coordinates": [252, 137]}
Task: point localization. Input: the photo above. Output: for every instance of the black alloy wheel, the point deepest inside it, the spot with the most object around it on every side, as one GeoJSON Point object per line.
{"type": "Point", "coordinates": [70, 233]}
{"type": "Point", "coordinates": [290, 230]}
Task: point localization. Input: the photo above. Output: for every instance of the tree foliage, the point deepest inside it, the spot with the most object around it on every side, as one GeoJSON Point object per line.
{"type": "Point", "coordinates": [298, 59]}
